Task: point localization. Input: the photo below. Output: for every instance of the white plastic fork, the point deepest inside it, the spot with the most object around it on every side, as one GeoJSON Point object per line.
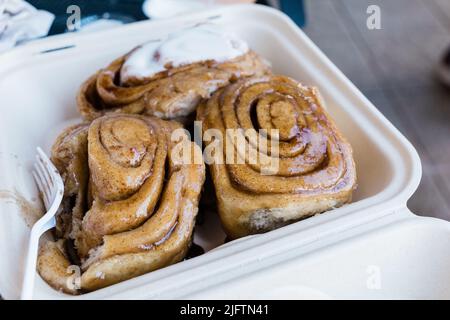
{"type": "Point", "coordinates": [51, 188]}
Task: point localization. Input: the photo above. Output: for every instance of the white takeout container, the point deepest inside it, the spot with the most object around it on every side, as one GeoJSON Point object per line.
{"type": "Point", "coordinates": [372, 248]}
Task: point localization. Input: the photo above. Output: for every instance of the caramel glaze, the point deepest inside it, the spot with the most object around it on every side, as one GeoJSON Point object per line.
{"type": "Point", "coordinates": [128, 207]}
{"type": "Point", "coordinates": [171, 94]}
{"type": "Point", "coordinates": [315, 171]}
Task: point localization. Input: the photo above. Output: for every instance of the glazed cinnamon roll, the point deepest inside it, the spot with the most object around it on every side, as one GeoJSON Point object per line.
{"type": "Point", "coordinates": [167, 78]}
{"type": "Point", "coordinates": [129, 205]}
{"type": "Point", "coordinates": [288, 159]}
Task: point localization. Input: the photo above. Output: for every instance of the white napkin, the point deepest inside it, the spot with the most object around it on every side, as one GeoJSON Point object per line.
{"type": "Point", "coordinates": [158, 9]}
{"type": "Point", "coordinates": [20, 21]}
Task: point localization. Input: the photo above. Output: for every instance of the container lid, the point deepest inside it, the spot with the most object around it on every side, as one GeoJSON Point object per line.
{"type": "Point", "coordinates": [49, 72]}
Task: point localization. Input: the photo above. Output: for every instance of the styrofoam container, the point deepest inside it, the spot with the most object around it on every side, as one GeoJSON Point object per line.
{"type": "Point", "coordinates": [371, 248]}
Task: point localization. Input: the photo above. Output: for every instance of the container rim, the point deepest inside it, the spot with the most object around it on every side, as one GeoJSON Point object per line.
{"type": "Point", "coordinates": [230, 257]}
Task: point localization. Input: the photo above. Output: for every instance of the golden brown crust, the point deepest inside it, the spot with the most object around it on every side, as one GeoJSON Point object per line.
{"type": "Point", "coordinates": [314, 167]}
{"type": "Point", "coordinates": [139, 215]}
{"type": "Point", "coordinates": [70, 158]}
{"type": "Point", "coordinates": [172, 94]}
{"type": "Point", "coordinates": [54, 266]}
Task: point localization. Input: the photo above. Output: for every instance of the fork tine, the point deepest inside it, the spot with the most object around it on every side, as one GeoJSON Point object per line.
{"type": "Point", "coordinates": [41, 188]}
{"type": "Point", "coordinates": [51, 189]}
{"type": "Point", "coordinates": [47, 189]}
{"type": "Point", "coordinates": [44, 170]}
{"type": "Point", "coordinates": [51, 169]}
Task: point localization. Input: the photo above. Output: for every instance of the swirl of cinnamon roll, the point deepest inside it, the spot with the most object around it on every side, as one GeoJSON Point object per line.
{"type": "Point", "coordinates": [128, 207]}
{"type": "Point", "coordinates": [167, 78]}
{"type": "Point", "coordinates": [275, 120]}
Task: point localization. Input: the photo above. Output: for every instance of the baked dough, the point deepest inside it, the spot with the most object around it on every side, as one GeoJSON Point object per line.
{"type": "Point", "coordinates": [314, 169]}
{"type": "Point", "coordinates": [171, 94]}
{"type": "Point", "coordinates": [129, 205]}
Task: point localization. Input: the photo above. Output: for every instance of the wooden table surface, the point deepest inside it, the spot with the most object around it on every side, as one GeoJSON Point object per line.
{"type": "Point", "coordinates": [394, 67]}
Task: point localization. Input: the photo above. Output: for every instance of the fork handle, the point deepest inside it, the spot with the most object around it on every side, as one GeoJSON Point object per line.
{"type": "Point", "coordinates": [30, 265]}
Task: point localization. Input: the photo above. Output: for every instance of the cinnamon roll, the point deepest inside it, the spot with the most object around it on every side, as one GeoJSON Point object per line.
{"type": "Point", "coordinates": [129, 205]}
{"type": "Point", "coordinates": [167, 78]}
{"type": "Point", "coordinates": [289, 161]}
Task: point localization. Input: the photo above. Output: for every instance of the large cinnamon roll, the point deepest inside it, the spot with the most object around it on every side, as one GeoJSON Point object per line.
{"type": "Point", "coordinates": [288, 162]}
{"type": "Point", "coordinates": [167, 78]}
{"type": "Point", "coordinates": [129, 205]}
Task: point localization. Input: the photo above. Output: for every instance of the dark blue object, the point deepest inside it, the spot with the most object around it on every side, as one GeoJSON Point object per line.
{"type": "Point", "coordinates": [128, 10]}
{"type": "Point", "coordinates": [131, 10]}
{"type": "Point", "coordinates": [294, 9]}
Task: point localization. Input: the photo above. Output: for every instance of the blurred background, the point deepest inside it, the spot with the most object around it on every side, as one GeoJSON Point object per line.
{"type": "Point", "coordinates": [395, 66]}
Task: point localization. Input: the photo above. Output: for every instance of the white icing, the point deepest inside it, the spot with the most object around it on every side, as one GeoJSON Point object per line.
{"type": "Point", "coordinates": [199, 43]}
